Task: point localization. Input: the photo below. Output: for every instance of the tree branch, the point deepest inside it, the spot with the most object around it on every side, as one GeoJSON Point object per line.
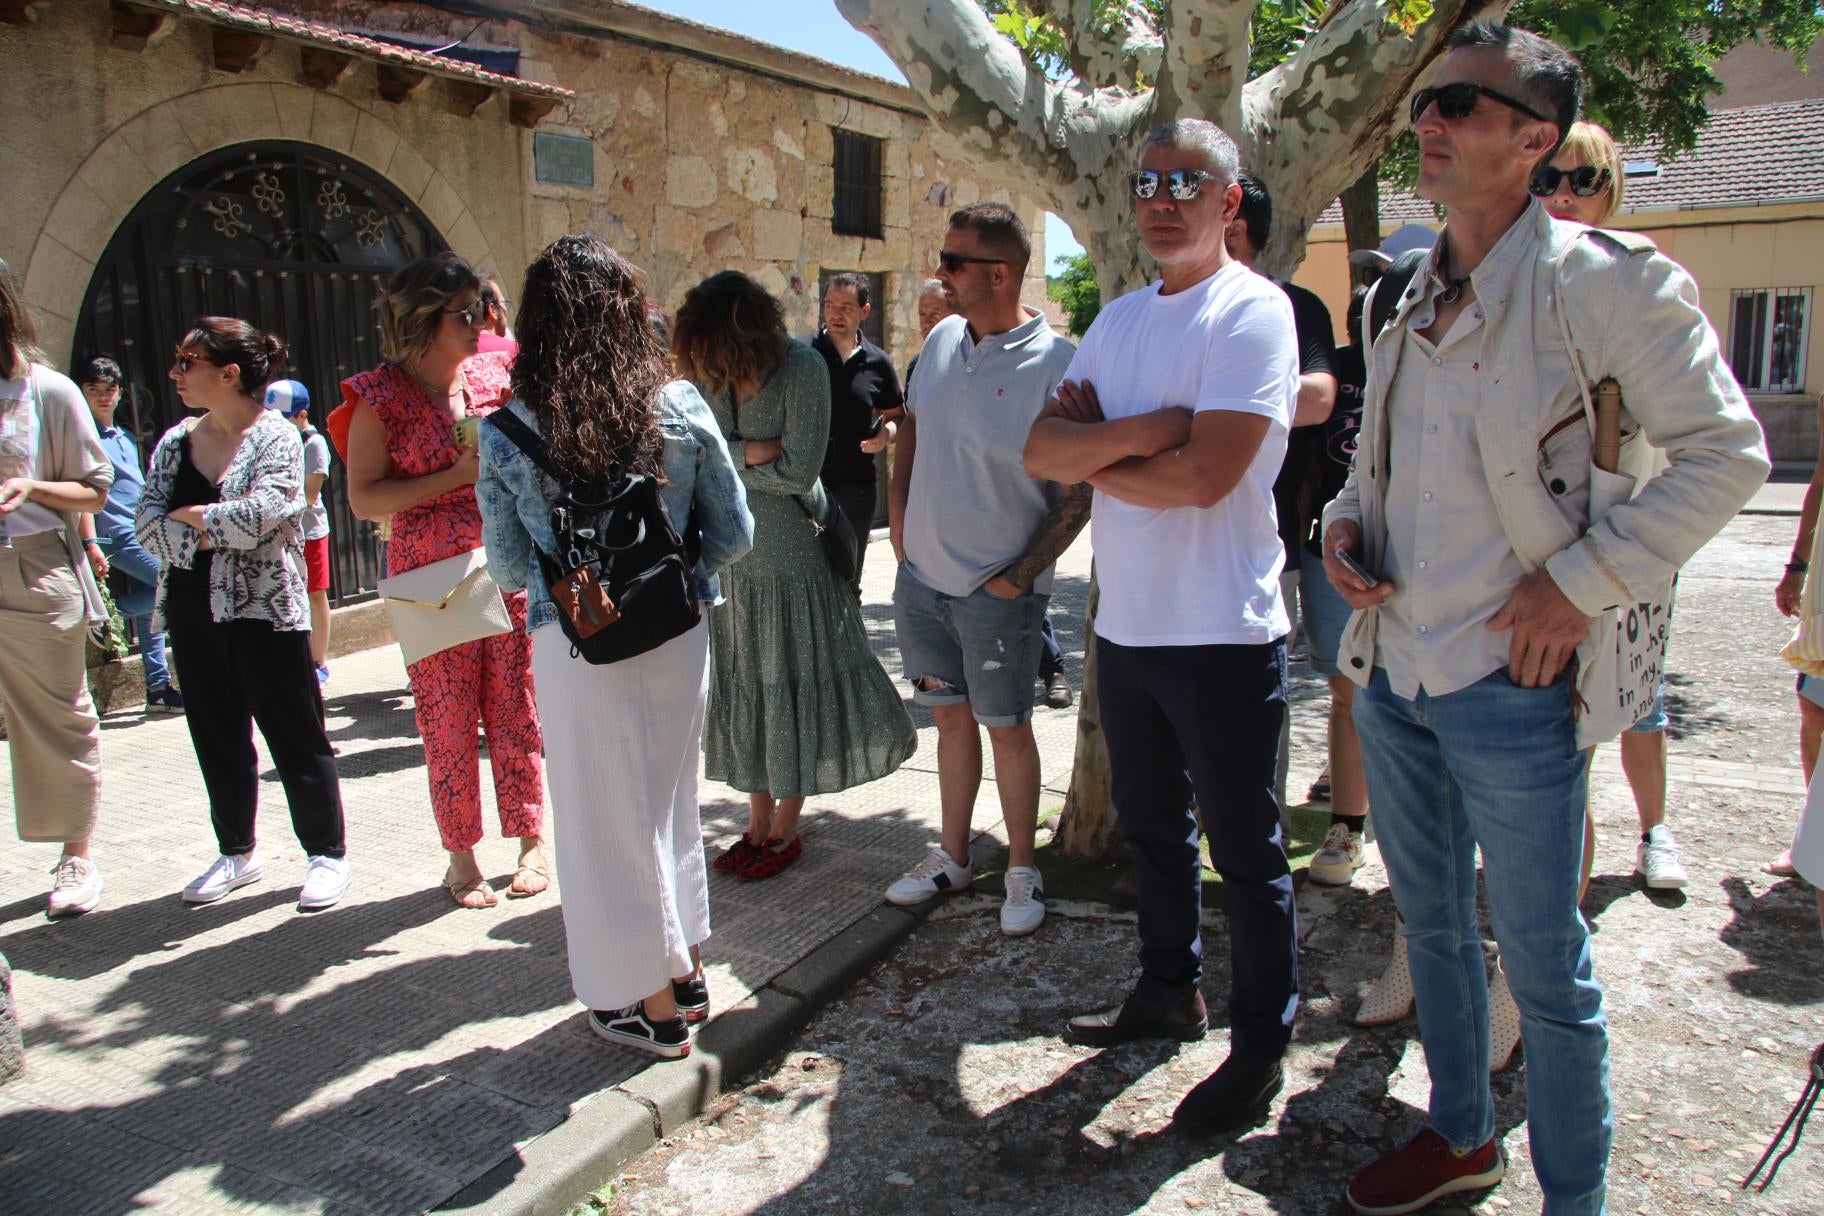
{"type": "Point", "coordinates": [1205, 61]}
{"type": "Point", "coordinates": [1050, 139]}
{"type": "Point", "coordinates": [1314, 124]}
{"type": "Point", "coordinates": [1106, 51]}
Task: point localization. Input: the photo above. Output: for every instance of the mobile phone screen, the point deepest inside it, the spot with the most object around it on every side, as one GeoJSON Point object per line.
{"type": "Point", "coordinates": [1354, 567]}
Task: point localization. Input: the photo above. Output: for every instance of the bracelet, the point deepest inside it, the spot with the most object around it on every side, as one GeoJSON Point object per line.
{"type": "Point", "coordinates": [1795, 566]}
{"type": "Point", "coordinates": [91, 543]}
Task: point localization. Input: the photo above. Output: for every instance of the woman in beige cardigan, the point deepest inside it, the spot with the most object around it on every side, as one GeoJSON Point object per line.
{"type": "Point", "coordinates": [52, 469]}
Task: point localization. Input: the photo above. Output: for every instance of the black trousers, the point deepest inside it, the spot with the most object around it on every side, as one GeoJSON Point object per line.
{"type": "Point", "coordinates": [238, 673]}
{"type": "Point", "coordinates": [1051, 655]}
{"type": "Point", "coordinates": [1205, 720]}
{"type": "Point", "coordinates": [857, 503]}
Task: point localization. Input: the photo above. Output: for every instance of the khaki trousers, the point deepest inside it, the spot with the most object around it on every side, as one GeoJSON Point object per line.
{"type": "Point", "coordinates": [51, 723]}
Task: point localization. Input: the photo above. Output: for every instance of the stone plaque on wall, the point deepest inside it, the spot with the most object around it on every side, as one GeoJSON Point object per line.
{"type": "Point", "coordinates": [563, 160]}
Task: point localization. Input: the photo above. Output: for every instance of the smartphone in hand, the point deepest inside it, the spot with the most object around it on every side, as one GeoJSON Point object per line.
{"type": "Point", "coordinates": [1348, 562]}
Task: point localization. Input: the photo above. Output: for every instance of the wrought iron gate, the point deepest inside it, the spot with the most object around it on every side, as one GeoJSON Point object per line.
{"type": "Point", "coordinates": [290, 237]}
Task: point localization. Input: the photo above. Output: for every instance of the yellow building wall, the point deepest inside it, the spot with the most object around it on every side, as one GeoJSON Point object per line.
{"type": "Point", "coordinates": [1738, 248]}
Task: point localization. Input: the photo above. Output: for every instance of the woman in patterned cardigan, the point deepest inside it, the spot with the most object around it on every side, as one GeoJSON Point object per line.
{"type": "Point", "coordinates": [220, 512]}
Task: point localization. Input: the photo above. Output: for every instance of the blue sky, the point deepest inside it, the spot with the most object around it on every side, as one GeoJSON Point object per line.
{"type": "Point", "coordinates": [816, 28]}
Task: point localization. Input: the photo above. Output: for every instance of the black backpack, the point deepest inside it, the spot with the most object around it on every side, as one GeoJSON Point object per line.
{"type": "Point", "coordinates": [1390, 290]}
{"type": "Point", "coordinates": [622, 580]}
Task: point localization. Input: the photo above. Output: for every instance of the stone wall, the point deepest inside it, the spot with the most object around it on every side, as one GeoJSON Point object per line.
{"type": "Point", "coordinates": [700, 164]}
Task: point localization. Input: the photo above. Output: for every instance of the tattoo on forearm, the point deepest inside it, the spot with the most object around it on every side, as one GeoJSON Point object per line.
{"type": "Point", "coordinates": [1055, 532]}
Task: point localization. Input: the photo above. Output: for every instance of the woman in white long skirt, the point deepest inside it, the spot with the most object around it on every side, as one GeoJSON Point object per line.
{"type": "Point", "coordinates": [621, 739]}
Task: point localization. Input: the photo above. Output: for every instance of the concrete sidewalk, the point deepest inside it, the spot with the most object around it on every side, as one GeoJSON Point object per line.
{"type": "Point", "coordinates": [388, 1053]}
{"type": "Point", "coordinates": [396, 1054]}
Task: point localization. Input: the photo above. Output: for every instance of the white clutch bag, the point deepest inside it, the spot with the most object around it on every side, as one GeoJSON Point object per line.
{"type": "Point", "coordinates": [444, 604]}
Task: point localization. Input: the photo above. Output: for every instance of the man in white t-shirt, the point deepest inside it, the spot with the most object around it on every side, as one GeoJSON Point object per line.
{"type": "Point", "coordinates": [1176, 409]}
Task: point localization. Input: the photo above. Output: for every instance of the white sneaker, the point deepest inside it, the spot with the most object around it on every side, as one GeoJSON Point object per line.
{"type": "Point", "coordinates": [325, 882]}
{"type": "Point", "coordinates": [229, 871]}
{"type": "Point", "coordinates": [1338, 858]}
{"type": "Point", "coordinates": [76, 887]}
{"type": "Point", "coordinates": [933, 876]}
{"type": "Point", "coordinates": [1656, 859]}
{"type": "Point", "coordinates": [1024, 908]}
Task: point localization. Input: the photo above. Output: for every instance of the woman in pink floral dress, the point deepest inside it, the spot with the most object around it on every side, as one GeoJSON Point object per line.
{"type": "Point", "coordinates": [404, 461]}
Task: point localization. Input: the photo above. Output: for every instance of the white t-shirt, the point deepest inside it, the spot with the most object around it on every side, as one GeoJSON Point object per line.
{"type": "Point", "coordinates": [1195, 576]}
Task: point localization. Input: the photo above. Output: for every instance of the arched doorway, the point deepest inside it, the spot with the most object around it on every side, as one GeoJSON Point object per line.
{"type": "Point", "coordinates": [291, 237]}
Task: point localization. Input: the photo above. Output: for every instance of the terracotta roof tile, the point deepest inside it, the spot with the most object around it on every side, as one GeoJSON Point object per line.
{"type": "Point", "coordinates": [1747, 155]}
{"type": "Point", "coordinates": [1753, 154]}
{"type": "Point", "coordinates": [255, 19]}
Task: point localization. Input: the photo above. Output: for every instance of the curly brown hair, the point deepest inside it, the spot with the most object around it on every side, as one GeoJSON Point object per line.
{"type": "Point", "coordinates": [728, 334]}
{"type": "Point", "coordinates": [589, 366]}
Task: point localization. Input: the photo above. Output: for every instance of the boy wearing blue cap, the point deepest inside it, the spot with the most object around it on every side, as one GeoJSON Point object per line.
{"type": "Point", "coordinates": [292, 400]}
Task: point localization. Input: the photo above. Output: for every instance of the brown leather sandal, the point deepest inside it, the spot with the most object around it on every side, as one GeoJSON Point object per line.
{"type": "Point", "coordinates": [517, 891]}
{"type": "Point", "coordinates": [460, 890]}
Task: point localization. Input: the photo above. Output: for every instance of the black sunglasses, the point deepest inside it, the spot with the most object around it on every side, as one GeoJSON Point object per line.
{"type": "Point", "coordinates": [1459, 101]}
{"type": "Point", "coordinates": [183, 363]}
{"type": "Point", "coordinates": [953, 262]}
{"type": "Point", "coordinates": [472, 315]}
{"type": "Point", "coordinates": [1182, 184]}
{"type": "Point", "coordinates": [1586, 182]}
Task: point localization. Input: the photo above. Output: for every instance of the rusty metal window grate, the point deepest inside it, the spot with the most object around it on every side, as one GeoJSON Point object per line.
{"type": "Point", "coordinates": [1769, 329]}
{"type": "Point", "coordinates": [856, 207]}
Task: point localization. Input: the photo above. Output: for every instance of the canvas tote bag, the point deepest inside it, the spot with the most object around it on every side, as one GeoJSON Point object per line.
{"type": "Point", "coordinates": [1623, 657]}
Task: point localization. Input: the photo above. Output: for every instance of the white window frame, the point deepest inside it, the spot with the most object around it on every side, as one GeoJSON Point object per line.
{"type": "Point", "coordinates": [1751, 355]}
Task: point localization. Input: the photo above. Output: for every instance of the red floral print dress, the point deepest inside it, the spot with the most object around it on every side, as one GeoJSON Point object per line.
{"type": "Point", "coordinates": [489, 680]}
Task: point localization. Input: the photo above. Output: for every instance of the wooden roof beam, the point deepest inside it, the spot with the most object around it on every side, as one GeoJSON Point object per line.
{"type": "Point", "coordinates": [18, 12]}
{"type": "Point", "coordinates": [137, 29]}
{"type": "Point", "coordinates": [320, 68]}
{"type": "Point", "coordinates": [397, 83]}
{"type": "Point", "coordinates": [468, 96]}
{"type": "Point", "coordinates": [237, 51]}
{"type": "Point", "coordinates": [528, 111]}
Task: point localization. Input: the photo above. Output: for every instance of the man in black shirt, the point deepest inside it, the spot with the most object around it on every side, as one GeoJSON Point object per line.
{"type": "Point", "coordinates": [864, 401]}
{"type": "Point", "coordinates": [1292, 499]}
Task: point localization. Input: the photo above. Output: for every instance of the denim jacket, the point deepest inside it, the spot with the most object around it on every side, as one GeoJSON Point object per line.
{"type": "Point", "coordinates": [1633, 314]}
{"type": "Point", "coordinates": [515, 497]}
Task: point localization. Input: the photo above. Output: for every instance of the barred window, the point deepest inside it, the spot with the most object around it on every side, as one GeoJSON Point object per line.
{"type": "Point", "coordinates": [1769, 329]}
{"type": "Point", "coordinates": [856, 208]}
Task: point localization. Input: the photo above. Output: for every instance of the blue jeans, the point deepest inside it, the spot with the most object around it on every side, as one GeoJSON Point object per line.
{"type": "Point", "coordinates": [1205, 719]}
{"type": "Point", "coordinates": [1496, 765]}
{"type": "Point", "coordinates": [978, 648]}
{"type": "Point", "coordinates": [140, 570]}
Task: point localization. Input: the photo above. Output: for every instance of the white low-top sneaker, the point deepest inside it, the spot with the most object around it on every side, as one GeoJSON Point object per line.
{"type": "Point", "coordinates": [1338, 858]}
{"type": "Point", "coordinates": [230, 870]}
{"type": "Point", "coordinates": [1024, 908]}
{"type": "Point", "coordinates": [935, 875]}
{"type": "Point", "coordinates": [1656, 860]}
{"type": "Point", "coordinates": [325, 882]}
{"type": "Point", "coordinates": [76, 887]}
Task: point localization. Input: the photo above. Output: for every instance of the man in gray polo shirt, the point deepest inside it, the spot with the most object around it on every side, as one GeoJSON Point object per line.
{"type": "Point", "coordinates": [976, 539]}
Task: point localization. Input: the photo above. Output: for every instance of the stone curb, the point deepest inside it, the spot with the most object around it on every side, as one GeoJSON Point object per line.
{"type": "Point", "coordinates": [553, 1172]}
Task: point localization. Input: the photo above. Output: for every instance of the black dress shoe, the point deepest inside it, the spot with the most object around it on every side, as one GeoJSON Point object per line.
{"type": "Point", "coordinates": [1057, 691]}
{"type": "Point", "coordinates": [1235, 1095]}
{"type": "Point", "coordinates": [1185, 1019]}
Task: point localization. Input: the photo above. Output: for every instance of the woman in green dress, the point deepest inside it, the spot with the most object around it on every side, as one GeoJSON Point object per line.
{"type": "Point", "coordinates": [798, 704]}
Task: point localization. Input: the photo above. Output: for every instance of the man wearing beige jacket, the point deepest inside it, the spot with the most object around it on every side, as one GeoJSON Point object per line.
{"type": "Point", "coordinates": [1469, 503]}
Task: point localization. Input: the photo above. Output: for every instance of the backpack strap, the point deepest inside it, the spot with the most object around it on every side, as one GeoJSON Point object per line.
{"type": "Point", "coordinates": [528, 441]}
{"type": "Point", "coordinates": [1391, 289]}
